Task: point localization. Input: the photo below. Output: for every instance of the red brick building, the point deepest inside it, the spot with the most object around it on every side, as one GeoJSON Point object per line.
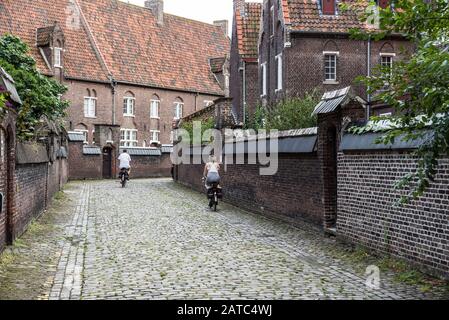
{"type": "Point", "coordinates": [126, 65]}
{"type": "Point", "coordinates": [306, 44]}
{"type": "Point", "coordinates": [244, 57]}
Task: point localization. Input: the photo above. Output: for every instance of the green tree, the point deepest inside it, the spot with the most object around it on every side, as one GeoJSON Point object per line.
{"type": "Point", "coordinates": [418, 88]}
{"type": "Point", "coordinates": [40, 95]}
{"type": "Point", "coordinates": [295, 113]}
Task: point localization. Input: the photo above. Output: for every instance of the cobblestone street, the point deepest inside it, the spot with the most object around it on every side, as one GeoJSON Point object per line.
{"type": "Point", "coordinates": [158, 240]}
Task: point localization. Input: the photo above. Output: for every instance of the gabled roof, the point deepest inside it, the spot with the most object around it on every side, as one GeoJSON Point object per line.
{"type": "Point", "coordinates": [248, 27]}
{"type": "Point", "coordinates": [113, 38]}
{"type": "Point", "coordinates": [306, 16]}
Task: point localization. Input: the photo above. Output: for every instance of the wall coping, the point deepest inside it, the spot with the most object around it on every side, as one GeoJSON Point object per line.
{"type": "Point", "coordinates": [31, 153]}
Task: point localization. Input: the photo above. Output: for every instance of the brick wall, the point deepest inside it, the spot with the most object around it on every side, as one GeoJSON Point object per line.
{"type": "Point", "coordinates": [418, 232]}
{"type": "Point", "coordinates": [294, 193]}
{"type": "Point", "coordinates": [151, 166]}
{"type": "Point", "coordinates": [83, 166]}
{"type": "Point", "coordinates": [31, 194]}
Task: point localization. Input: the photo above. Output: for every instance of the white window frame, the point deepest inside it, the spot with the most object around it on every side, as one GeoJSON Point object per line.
{"type": "Point", "coordinates": [387, 55]}
{"type": "Point", "coordinates": [279, 65]}
{"type": "Point", "coordinates": [264, 79]}
{"type": "Point", "coordinates": [130, 106]}
{"type": "Point", "coordinates": [58, 57]}
{"type": "Point", "coordinates": [154, 103]}
{"type": "Point", "coordinates": [335, 55]}
{"type": "Point", "coordinates": [152, 133]}
{"type": "Point", "coordinates": [85, 132]}
{"type": "Point", "coordinates": [126, 139]}
{"type": "Point", "coordinates": [88, 111]}
{"type": "Point", "coordinates": [179, 109]}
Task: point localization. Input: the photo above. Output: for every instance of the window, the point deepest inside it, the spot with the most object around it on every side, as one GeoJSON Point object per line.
{"type": "Point", "coordinates": [330, 66]}
{"type": "Point", "coordinates": [154, 109]}
{"type": "Point", "coordinates": [155, 136]}
{"type": "Point", "coordinates": [128, 138]}
{"type": "Point", "coordinates": [264, 79]}
{"type": "Point", "coordinates": [179, 106]}
{"type": "Point", "coordinates": [58, 54]}
{"type": "Point", "coordinates": [386, 61]}
{"type": "Point", "coordinates": [129, 106]}
{"type": "Point", "coordinates": [279, 72]}
{"type": "Point", "coordinates": [273, 21]}
{"type": "Point", "coordinates": [90, 107]}
{"type": "Point", "coordinates": [93, 136]}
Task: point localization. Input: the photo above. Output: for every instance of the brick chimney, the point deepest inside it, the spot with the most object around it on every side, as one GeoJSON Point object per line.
{"type": "Point", "coordinates": [223, 24]}
{"type": "Point", "coordinates": [157, 7]}
{"type": "Point", "coordinates": [239, 5]}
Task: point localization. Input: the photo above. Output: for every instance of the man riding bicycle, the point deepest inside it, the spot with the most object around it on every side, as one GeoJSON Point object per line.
{"type": "Point", "coordinates": [125, 160]}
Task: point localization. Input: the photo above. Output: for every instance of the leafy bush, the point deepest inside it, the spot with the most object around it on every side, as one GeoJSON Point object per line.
{"type": "Point", "coordinates": [206, 124]}
{"type": "Point", "coordinates": [40, 95]}
{"type": "Point", "coordinates": [293, 113]}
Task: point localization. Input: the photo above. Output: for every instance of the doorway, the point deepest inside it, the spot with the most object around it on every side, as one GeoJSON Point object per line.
{"type": "Point", "coordinates": [331, 178]}
{"type": "Point", "coordinates": [107, 163]}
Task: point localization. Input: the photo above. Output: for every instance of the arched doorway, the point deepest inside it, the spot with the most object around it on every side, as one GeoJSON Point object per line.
{"type": "Point", "coordinates": [9, 165]}
{"type": "Point", "coordinates": [107, 163]}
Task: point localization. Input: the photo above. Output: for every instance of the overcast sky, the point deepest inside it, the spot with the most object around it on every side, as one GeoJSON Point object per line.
{"type": "Point", "coordinates": [202, 10]}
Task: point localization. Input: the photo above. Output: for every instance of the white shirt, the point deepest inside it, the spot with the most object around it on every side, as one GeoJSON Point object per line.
{"type": "Point", "coordinates": [213, 167]}
{"type": "Point", "coordinates": [125, 159]}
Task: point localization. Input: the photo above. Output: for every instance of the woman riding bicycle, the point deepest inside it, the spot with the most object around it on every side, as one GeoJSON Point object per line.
{"type": "Point", "coordinates": [212, 171]}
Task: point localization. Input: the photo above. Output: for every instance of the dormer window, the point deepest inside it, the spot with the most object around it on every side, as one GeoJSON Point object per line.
{"type": "Point", "coordinates": [58, 57]}
{"type": "Point", "coordinates": [328, 7]}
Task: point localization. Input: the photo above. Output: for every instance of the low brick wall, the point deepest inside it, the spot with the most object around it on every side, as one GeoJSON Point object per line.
{"type": "Point", "coordinates": [83, 166]}
{"type": "Point", "coordinates": [367, 215]}
{"type": "Point", "coordinates": [151, 166]}
{"type": "Point", "coordinates": [31, 195]}
{"type": "Point", "coordinates": [294, 193]}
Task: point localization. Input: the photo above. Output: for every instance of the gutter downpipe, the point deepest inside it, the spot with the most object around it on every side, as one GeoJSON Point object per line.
{"type": "Point", "coordinates": [368, 97]}
{"type": "Point", "coordinates": [113, 90]}
{"type": "Point", "coordinates": [244, 92]}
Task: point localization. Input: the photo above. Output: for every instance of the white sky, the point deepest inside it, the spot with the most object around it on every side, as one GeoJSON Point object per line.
{"type": "Point", "coordinates": [201, 10]}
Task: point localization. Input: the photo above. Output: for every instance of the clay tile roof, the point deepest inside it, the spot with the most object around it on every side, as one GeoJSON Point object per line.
{"type": "Point", "coordinates": [122, 40]}
{"type": "Point", "coordinates": [43, 36]}
{"type": "Point", "coordinates": [22, 18]}
{"type": "Point", "coordinates": [216, 64]}
{"type": "Point", "coordinates": [306, 15]}
{"type": "Point", "coordinates": [248, 27]}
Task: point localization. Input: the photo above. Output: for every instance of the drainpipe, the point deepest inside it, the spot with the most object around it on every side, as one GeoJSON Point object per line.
{"type": "Point", "coordinates": [244, 92]}
{"type": "Point", "coordinates": [113, 90]}
{"type": "Point", "coordinates": [368, 106]}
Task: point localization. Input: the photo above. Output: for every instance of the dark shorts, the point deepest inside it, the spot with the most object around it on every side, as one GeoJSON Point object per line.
{"type": "Point", "coordinates": [213, 177]}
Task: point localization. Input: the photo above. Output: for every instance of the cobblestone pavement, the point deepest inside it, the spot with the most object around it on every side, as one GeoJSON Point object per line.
{"type": "Point", "coordinates": [158, 240]}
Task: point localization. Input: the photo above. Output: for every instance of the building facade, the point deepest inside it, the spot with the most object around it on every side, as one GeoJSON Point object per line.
{"type": "Point", "coordinates": [305, 45]}
{"type": "Point", "coordinates": [124, 65]}
{"type": "Point", "coordinates": [244, 58]}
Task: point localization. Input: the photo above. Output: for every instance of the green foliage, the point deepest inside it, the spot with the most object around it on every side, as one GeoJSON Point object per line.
{"type": "Point", "coordinates": [198, 135]}
{"type": "Point", "coordinates": [418, 87]}
{"type": "Point", "coordinates": [289, 114]}
{"type": "Point", "coordinates": [40, 95]}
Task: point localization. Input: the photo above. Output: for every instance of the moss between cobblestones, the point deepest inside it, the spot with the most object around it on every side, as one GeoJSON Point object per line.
{"type": "Point", "coordinates": [35, 253]}
{"type": "Point", "coordinates": [402, 272]}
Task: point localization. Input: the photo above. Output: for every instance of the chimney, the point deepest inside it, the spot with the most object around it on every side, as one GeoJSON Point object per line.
{"type": "Point", "coordinates": [223, 24]}
{"type": "Point", "coordinates": [157, 7]}
{"type": "Point", "coordinates": [239, 5]}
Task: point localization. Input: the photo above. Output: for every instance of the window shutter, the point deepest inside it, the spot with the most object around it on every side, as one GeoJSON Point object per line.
{"type": "Point", "coordinates": [328, 7]}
